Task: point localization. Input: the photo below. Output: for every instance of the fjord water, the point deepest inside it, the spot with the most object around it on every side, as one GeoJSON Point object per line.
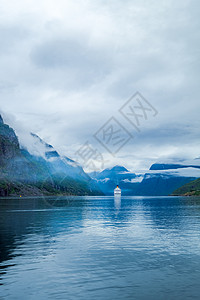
{"type": "Point", "coordinates": [100, 248]}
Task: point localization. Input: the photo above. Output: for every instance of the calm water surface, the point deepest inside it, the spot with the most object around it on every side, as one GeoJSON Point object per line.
{"type": "Point", "coordinates": [100, 248]}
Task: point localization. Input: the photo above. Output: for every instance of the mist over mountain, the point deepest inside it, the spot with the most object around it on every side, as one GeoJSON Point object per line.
{"type": "Point", "coordinates": [160, 180]}
{"type": "Point", "coordinates": [118, 175]}
{"type": "Point", "coordinates": [44, 172]}
{"type": "Point", "coordinates": [34, 167]}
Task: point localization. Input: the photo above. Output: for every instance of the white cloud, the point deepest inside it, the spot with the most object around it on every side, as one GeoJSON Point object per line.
{"type": "Point", "coordinates": [134, 180]}
{"type": "Point", "coordinates": [183, 172]}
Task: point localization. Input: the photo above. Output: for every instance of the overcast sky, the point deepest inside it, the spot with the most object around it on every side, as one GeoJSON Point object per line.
{"type": "Point", "coordinates": [67, 67]}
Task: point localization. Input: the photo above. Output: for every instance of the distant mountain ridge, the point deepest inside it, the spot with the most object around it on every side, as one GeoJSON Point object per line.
{"type": "Point", "coordinates": [160, 180]}
{"type": "Point", "coordinates": [171, 166]}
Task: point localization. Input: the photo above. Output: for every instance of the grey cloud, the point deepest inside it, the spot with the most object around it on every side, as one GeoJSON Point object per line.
{"type": "Point", "coordinates": [75, 57]}
{"type": "Point", "coordinates": [74, 67]}
{"type": "Point", "coordinates": [10, 36]}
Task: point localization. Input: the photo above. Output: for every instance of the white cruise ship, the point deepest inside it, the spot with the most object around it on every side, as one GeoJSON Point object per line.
{"type": "Point", "coordinates": [117, 191]}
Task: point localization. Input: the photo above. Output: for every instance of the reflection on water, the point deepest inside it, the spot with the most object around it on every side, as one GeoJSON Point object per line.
{"type": "Point", "coordinates": [100, 248]}
{"type": "Point", "coordinates": [117, 200]}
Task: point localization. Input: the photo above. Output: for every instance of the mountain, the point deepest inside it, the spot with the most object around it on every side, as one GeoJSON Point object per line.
{"type": "Point", "coordinates": [160, 180]}
{"type": "Point", "coordinates": [160, 184]}
{"type": "Point", "coordinates": [118, 175]}
{"type": "Point", "coordinates": [25, 173]}
{"type": "Point", "coordinates": [57, 163]}
{"type": "Point", "coordinates": [39, 169]}
{"type": "Point", "coordinates": [190, 189]}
